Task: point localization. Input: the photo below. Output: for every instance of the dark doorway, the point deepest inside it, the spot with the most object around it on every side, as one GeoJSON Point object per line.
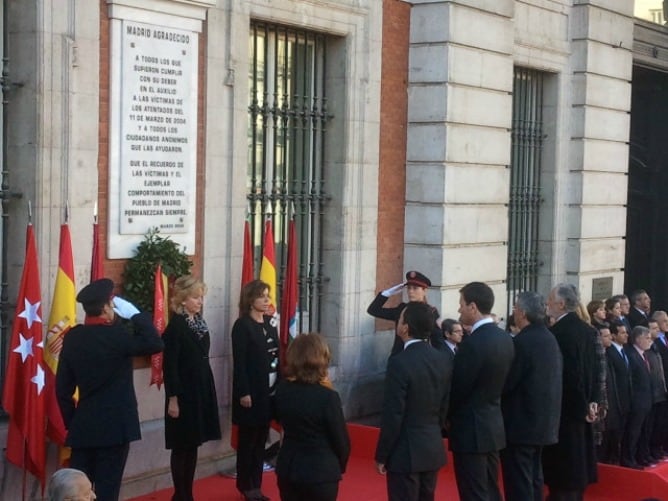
{"type": "Point", "coordinates": [646, 265]}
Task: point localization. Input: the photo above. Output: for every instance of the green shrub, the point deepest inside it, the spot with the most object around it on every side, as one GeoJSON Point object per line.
{"type": "Point", "coordinates": [139, 274]}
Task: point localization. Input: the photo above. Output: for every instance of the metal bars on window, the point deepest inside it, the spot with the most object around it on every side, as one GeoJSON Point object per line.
{"type": "Point", "coordinates": [525, 182]}
{"type": "Point", "coordinates": [288, 114]}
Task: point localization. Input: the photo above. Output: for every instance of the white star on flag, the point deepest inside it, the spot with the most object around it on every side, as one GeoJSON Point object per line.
{"type": "Point", "coordinates": [30, 312]}
{"type": "Point", "coordinates": [24, 347]}
{"type": "Point", "coordinates": [38, 379]}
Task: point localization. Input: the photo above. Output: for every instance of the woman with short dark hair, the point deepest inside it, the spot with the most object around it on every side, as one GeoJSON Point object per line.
{"type": "Point", "coordinates": [316, 446]}
{"type": "Point", "coordinates": [256, 370]}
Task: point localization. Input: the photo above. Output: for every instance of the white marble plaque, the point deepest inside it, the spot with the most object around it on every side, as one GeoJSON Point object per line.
{"type": "Point", "coordinates": [158, 129]}
{"type": "Point", "coordinates": [153, 144]}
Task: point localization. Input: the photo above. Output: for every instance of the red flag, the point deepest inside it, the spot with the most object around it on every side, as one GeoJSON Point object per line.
{"type": "Point", "coordinates": [96, 268]}
{"type": "Point", "coordinates": [160, 321]}
{"type": "Point", "coordinates": [61, 319]}
{"type": "Point", "coordinates": [247, 272]}
{"type": "Point", "coordinates": [290, 292]}
{"type": "Point", "coordinates": [23, 395]}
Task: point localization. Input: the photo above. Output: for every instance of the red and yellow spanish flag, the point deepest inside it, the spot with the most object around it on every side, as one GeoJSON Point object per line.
{"type": "Point", "coordinates": [268, 267]}
{"type": "Point", "coordinates": [160, 316]}
{"type": "Point", "coordinates": [61, 318]}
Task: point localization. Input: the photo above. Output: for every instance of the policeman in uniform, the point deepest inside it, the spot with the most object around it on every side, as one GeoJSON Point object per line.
{"type": "Point", "coordinates": [416, 286]}
{"type": "Point", "coordinates": [96, 359]}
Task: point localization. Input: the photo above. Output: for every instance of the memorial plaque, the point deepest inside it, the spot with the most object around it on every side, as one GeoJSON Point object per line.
{"type": "Point", "coordinates": [601, 288]}
{"type": "Point", "coordinates": [158, 129]}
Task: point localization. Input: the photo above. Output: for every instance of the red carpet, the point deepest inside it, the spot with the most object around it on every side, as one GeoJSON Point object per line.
{"type": "Point", "coordinates": [361, 482]}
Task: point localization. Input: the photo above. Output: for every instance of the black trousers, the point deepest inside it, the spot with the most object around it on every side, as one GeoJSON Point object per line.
{"type": "Point", "coordinates": [301, 491]}
{"type": "Point", "coordinates": [183, 463]}
{"type": "Point", "coordinates": [522, 468]}
{"type": "Point", "coordinates": [610, 450]}
{"type": "Point", "coordinates": [250, 456]}
{"type": "Point", "coordinates": [659, 431]}
{"type": "Point", "coordinates": [477, 476]}
{"type": "Point", "coordinates": [631, 442]}
{"type": "Point", "coordinates": [104, 467]}
{"type": "Point", "coordinates": [419, 486]}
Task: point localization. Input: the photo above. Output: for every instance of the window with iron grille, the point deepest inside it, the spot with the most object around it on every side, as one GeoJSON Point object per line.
{"type": "Point", "coordinates": [525, 182]}
{"type": "Point", "coordinates": [288, 114]}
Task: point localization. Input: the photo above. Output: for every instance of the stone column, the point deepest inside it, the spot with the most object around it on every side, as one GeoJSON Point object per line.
{"type": "Point", "coordinates": [459, 119]}
{"type": "Point", "coordinates": [595, 187]}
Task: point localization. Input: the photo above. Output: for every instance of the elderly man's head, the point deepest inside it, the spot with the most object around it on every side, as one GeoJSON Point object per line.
{"type": "Point", "coordinates": [69, 484]}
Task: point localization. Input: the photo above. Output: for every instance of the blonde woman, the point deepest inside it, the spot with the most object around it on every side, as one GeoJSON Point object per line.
{"type": "Point", "coordinates": [191, 407]}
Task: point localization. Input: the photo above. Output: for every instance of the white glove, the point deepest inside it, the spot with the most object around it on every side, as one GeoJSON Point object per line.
{"type": "Point", "coordinates": [124, 308]}
{"type": "Point", "coordinates": [396, 289]}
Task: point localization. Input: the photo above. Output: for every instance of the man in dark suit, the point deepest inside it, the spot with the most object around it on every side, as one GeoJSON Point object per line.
{"type": "Point", "coordinates": [661, 346]}
{"type": "Point", "coordinates": [476, 423]}
{"type": "Point", "coordinates": [453, 332]}
{"type": "Point", "coordinates": [570, 465]}
{"type": "Point", "coordinates": [625, 307]}
{"type": "Point", "coordinates": [619, 394]}
{"type": "Point", "coordinates": [641, 397]}
{"type": "Point", "coordinates": [97, 359]}
{"type": "Point", "coordinates": [640, 308]}
{"type": "Point", "coordinates": [417, 384]}
{"type": "Point", "coordinates": [531, 401]}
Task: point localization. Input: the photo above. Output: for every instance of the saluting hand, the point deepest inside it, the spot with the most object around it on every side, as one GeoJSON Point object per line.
{"type": "Point", "coordinates": [396, 289]}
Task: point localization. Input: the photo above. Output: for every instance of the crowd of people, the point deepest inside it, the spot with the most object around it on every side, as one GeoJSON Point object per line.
{"type": "Point", "coordinates": [561, 388]}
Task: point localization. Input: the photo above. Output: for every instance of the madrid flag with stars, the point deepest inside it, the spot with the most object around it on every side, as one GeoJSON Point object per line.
{"type": "Point", "coordinates": [23, 395]}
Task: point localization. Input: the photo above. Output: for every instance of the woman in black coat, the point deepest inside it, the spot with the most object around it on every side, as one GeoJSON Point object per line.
{"type": "Point", "coordinates": [191, 406]}
{"type": "Point", "coordinates": [255, 356]}
{"type": "Point", "coordinates": [316, 446]}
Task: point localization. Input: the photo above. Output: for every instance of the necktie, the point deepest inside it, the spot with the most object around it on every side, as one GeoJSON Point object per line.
{"type": "Point", "coordinates": [644, 356]}
{"type": "Point", "coordinates": [624, 357]}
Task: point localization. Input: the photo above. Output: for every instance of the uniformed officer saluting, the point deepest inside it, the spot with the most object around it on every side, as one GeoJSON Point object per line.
{"type": "Point", "coordinates": [97, 359]}
{"type": "Point", "coordinates": [416, 286]}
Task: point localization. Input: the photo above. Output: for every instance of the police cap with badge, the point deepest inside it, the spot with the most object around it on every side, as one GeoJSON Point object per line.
{"type": "Point", "coordinates": [418, 279]}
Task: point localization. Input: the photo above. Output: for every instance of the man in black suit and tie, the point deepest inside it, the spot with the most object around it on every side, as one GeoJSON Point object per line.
{"type": "Point", "coordinates": [641, 397]}
{"type": "Point", "coordinates": [625, 306]}
{"type": "Point", "coordinates": [618, 383]}
{"type": "Point", "coordinates": [417, 384]}
{"type": "Point", "coordinates": [476, 423]}
{"type": "Point", "coordinates": [640, 309]}
{"type": "Point", "coordinates": [531, 401]}
{"type": "Point", "coordinates": [570, 465]}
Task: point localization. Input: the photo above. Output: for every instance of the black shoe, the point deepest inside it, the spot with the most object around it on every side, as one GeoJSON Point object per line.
{"type": "Point", "coordinates": [632, 466]}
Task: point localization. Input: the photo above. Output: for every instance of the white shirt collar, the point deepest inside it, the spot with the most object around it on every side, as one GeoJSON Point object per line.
{"type": "Point", "coordinates": [410, 342]}
{"type": "Point", "coordinates": [482, 321]}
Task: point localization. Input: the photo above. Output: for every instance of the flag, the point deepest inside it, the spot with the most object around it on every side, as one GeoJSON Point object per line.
{"type": "Point", "coordinates": [61, 318]}
{"type": "Point", "coordinates": [23, 396]}
{"type": "Point", "coordinates": [160, 314]}
{"type": "Point", "coordinates": [96, 268]}
{"type": "Point", "coordinates": [247, 272]}
{"type": "Point", "coordinates": [268, 267]}
{"type": "Point", "coordinates": [290, 292]}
